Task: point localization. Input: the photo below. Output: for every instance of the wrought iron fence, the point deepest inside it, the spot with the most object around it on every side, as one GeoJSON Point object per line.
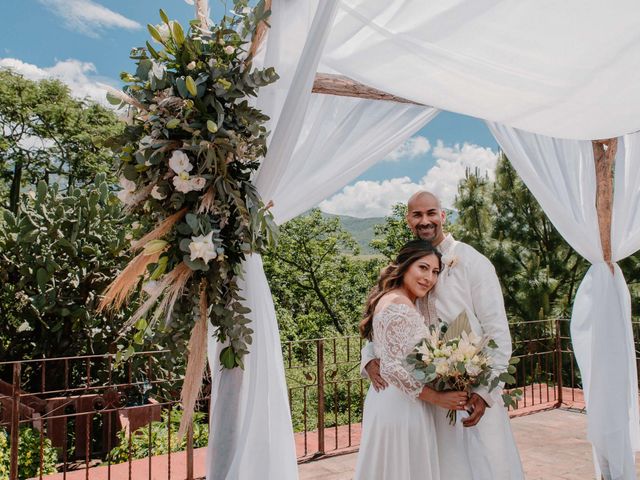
{"type": "Point", "coordinates": [85, 415]}
{"type": "Point", "coordinates": [326, 390]}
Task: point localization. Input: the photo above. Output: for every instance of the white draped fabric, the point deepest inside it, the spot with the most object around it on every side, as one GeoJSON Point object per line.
{"type": "Point", "coordinates": [543, 66]}
{"type": "Point", "coordinates": [561, 175]}
{"type": "Point", "coordinates": [313, 152]}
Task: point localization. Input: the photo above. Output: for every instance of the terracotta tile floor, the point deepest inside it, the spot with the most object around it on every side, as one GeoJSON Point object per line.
{"type": "Point", "coordinates": [552, 445]}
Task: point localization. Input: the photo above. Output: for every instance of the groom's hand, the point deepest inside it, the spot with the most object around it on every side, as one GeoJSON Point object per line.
{"type": "Point", "coordinates": [477, 406]}
{"type": "Point", "coordinates": [373, 370]}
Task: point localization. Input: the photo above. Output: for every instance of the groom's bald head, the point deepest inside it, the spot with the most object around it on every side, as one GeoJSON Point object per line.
{"type": "Point", "coordinates": [423, 195]}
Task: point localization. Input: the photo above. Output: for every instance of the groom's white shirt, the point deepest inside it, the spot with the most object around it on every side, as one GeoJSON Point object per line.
{"type": "Point", "coordinates": [468, 282]}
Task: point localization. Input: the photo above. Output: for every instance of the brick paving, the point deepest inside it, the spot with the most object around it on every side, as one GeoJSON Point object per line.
{"type": "Point", "coordinates": [552, 445]}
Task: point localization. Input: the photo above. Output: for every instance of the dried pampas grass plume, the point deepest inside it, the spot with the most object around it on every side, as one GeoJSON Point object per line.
{"type": "Point", "coordinates": [207, 202]}
{"type": "Point", "coordinates": [196, 363]}
{"type": "Point", "coordinates": [118, 291]}
{"type": "Point", "coordinates": [160, 231]}
{"type": "Point", "coordinates": [171, 286]}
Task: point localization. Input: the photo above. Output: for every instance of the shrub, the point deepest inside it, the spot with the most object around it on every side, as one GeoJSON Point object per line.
{"type": "Point", "coordinates": [28, 454]}
{"type": "Point", "coordinates": [142, 447]}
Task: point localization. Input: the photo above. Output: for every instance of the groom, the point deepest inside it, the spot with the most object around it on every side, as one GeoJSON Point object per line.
{"type": "Point", "coordinates": [484, 450]}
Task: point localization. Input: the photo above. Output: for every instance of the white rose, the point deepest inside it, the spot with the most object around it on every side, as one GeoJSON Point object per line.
{"type": "Point", "coordinates": [202, 247]}
{"type": "Point", "coordinates": [473, 370]}
{"type": "Point", "coordinates": [441, 366]}
{"type": "Point", "coordinates": [179, 162]}
{"type": "Point", "coordinates": [198, 183]}
{"type": "Point", "coordinates": [191, 66]}
{"type": "Point", "coordinates": [157, 194]}
{"type": "Point", "coordinates": [229, 49]}
{"type": "Point", "coordinates": [126, 195]}
{"type": "Point", "coordinates": [127, 185]}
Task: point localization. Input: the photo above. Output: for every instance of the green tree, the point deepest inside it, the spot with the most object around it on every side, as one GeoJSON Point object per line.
{"type": "Point", "coordinates": [393, 233]}
{"type": "Point", "coordinates": [48, 135]}
{"type": "Point", "coordinates": [538, 270]}
{"type": "Point", "coordinates": [318, 283]}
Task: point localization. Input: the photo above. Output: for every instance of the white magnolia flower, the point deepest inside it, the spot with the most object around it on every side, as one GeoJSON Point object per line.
{"type": "Point", "coordinates": [157, 194]}
{"type": "Point", "coordinates": [229, 49]}
{"type": "Point", "coordinates": [164, 31]}
{"type": "Point", "coordinates": [179, 162]}
{"type": "Point", "coordinates": [202, 247]}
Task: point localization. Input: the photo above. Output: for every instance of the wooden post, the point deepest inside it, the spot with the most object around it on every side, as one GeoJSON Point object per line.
{"type": "Point", "coordinates": [261, 31]}
{"type": "Point", "coordinates": [202, 9]}
{"type": "Point", "coordinates": [604, 154]}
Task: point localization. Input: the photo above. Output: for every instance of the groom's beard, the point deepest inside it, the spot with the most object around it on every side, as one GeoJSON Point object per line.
{"type": "Point", "coordinates": [427, 232]}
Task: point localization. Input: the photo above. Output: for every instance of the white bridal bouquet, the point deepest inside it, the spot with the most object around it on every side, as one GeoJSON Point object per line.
{"type": "Point", "coordinates": [455, 358]}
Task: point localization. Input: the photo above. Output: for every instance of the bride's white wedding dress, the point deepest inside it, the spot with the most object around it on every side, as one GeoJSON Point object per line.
{"type": "Point", "coordinates": [398, 434]}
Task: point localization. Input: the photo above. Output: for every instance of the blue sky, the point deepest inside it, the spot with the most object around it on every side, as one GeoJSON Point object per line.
{"type": "Point", "coordinates": [83, 42]}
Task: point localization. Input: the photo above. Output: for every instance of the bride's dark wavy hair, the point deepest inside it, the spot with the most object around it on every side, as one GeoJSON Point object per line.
{"type": "Point", "coordinates": [392, 276]}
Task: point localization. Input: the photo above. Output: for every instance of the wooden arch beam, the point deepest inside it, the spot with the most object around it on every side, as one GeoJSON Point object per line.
{"type": "Point", "coordinates": [329, 84]}
{"type": "Point", "coordinates": [604, 154]}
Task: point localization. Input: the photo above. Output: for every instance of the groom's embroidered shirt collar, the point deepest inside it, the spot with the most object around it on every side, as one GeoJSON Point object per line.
{"type": "Point", "coordinates": [446, 244]}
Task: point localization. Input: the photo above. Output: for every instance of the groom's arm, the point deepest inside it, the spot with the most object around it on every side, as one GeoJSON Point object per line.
{"type": "Point", "coordinates": [488, 305]}
{"type": "Point", "coordinates": [370, 367]}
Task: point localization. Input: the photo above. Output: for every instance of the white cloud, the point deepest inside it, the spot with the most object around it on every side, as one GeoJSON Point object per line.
{"type": "Point", "coordinates": [76, 74]}
{"type": "Point", "coordinates": [414, 147]}
{"type": "Point", "coordinates": [88, 17]}
{"type": "Point", "coordinates": [375, 199]}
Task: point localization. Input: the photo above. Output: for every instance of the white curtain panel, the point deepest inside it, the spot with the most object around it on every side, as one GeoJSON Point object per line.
{"type": "Point", "coordinates": [251, 435]}
{"type": "Point", "coordinates": [313, 152]}
{"type": "Point", "coordinates": [561, 175]}
{"type": "Point", "coordinates": [539, 65]}
{"type": "Point", "coordinates": [341, 137]}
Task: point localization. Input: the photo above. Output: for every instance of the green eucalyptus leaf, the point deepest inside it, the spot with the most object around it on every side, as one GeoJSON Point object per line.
{"type": "Point", "coordinates": [227, 358]}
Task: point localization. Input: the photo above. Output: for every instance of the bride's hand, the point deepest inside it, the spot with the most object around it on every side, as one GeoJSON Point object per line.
{"type": "Point", "coordinates": [450, 400]}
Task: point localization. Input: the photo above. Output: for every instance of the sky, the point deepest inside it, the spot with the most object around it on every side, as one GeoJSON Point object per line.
{"type": "Point", "coordinates": [87, 42]}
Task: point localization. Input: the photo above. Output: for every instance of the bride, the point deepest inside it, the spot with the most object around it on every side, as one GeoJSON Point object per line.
{"type": "Point", "coordinates": [398, 433]}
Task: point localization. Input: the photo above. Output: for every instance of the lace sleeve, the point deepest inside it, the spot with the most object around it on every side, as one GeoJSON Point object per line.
{"type": "Point", "coordinates": [395, 335]}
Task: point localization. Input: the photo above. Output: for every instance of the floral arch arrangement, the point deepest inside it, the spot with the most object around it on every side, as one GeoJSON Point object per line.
{"type": "Point", "coordinates": [192, 142]}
